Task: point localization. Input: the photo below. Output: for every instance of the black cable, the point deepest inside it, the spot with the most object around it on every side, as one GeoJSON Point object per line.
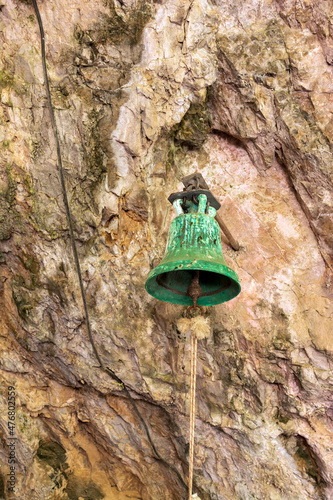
{"type": "Point", "coordinates": [76, 258]}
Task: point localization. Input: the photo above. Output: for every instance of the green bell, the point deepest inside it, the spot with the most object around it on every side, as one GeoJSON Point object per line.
{"type": "Point", "coordinates": [194, 253]}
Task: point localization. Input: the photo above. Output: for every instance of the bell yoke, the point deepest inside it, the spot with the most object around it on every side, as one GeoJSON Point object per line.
{"type": "Point", "coordinates": [193, 270]}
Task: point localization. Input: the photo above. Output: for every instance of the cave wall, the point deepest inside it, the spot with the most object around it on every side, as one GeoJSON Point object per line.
{"type": "Point", "coordinates": [145, 93]}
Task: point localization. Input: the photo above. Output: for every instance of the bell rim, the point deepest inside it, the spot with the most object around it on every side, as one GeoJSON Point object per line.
{"type": "Point", "coordinates": [196, 265]}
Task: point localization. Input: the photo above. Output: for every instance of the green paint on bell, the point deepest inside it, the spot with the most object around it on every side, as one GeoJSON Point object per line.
{"type": "Point", "coordinates": [194, 245]}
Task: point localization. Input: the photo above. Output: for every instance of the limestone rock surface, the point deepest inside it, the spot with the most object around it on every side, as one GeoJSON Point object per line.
{"type": "Point", "coordinates": [145, 93]}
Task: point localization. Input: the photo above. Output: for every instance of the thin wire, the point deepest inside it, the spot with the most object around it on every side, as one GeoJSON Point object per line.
{"type": "Point", "coordinates": [76, 258]}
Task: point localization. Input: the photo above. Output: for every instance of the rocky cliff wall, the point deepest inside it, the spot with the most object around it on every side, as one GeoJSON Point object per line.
{"type": "Point", "coordinates": [145, 93]}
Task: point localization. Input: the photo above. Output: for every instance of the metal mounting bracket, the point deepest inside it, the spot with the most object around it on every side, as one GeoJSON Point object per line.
{"type": "Point", "coordinates": [195, 192]}
{"type": "Point", "coordinates": [196, 182]}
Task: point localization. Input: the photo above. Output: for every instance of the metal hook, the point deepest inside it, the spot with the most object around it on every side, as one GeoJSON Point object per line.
{"type": "Point", "coordinates": [193, 307]}
{"type": "Point", "coordinates": [195, 200]}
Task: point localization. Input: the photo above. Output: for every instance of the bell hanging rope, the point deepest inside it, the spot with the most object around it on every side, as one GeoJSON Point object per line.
{"type": "Point", "coordinates": [194, 273]}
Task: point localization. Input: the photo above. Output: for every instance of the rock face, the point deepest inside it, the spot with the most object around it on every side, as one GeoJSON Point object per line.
{"type": "Point", "coordinates": [145, 93]}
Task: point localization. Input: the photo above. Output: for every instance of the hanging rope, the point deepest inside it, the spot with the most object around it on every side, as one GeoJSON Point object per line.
{"type": "Point", "coordinates": [106, 369]}
{"type": "Point", "coordinates": [199, 328]}
{"type": "Point", "coordinates": [194, 344]}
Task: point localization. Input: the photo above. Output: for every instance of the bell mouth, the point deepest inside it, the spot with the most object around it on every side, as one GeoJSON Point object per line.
{"type": "Point", "coordinates": [178, 282]}
{"type": "Point", "coordinates": [172, 286]}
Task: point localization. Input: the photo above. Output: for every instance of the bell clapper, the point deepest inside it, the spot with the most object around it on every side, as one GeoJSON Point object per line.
{"type": "Point", "coordinates": [194, 291]}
